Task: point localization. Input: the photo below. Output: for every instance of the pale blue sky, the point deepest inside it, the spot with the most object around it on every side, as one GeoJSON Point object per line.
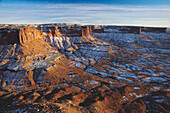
{"type": "Point", "coordinates": [86, 13]}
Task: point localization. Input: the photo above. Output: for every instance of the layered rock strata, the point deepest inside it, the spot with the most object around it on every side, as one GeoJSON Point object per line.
{"type": "Point", "coordinates": [57, 32]}
{"type": "Point", "coordinates": [100, 72]}
{"type": "Point", "coordinates": [86, 31]}
{"type": "Point", "coordinates": [28, 34]}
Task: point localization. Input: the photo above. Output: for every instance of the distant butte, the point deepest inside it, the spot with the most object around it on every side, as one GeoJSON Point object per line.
{"type": "Point", "coordinates": [21, 35]}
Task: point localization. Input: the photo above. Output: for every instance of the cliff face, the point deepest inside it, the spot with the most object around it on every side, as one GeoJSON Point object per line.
{"type": "Point", "coordinates": [9, 37]}
{"type": "Point", "coordinates": [86, 31]}
{"type": "Point", "coordinates": [100, 72]}
{"type": "Point", "coordinates": [152, 29]}
{"type": "Point", "coordinates": [22, 35]}
{"type": "Point", "coordinates": [57, 33]}
{"type": "Point", "coordinates": [28, 34]}
{"type": "Point", "coordinates": [97, 29]}
{"type": "Point", "coordinates": [50, 33]}
{"type": "Point", "coordinates": [135, 30]}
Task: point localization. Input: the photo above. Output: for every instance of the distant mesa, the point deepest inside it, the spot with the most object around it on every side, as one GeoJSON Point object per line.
{"type": "Point", "coordinates": [168, 31]}
{"type": "Point", "coordinates": [154, 29]}
{"type": "Point", "coordinates": [98, 29]}
{"type": "Point", "coordinates": [131, 29]}
{"type": "Point", "coordinates": [27, 34]}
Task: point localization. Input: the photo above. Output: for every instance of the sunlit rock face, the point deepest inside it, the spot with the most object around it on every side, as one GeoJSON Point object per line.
{"type": "Point", "coordinates": [28, 34]}
{"type": "Point", "coordinates": [111, 69]}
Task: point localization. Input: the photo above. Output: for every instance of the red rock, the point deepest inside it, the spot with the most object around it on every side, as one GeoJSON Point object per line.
{"type": "Point", "coordinates": [57, 33]}
{"type": "Point", "coordinates": [49, 33]}
{"type": "Point", "coordinates": [29, 75]}
{"type": "Point", "coordinates": [28, 34]}
{"type": "Point", "coordinates": [5, 87]}
{"type": "Point", "coordinates": [98, 29]}
{"type": "Point", "coordinates": [13, 82]}
{"type": "Point", "coordinates": [21, 97]}
{"type": "Point", "coordinates": [86, 31]}
{"type": "Point", "coordinates": [1, 93]}
{"type": "Point", "coordinates": [136, 107]}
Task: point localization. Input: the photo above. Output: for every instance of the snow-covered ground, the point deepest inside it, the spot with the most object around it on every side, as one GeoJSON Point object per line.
{"type": "Point", "coordinates": [113, 60]}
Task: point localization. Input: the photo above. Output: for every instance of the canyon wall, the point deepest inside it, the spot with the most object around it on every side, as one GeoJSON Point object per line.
{"type": "Point", "coordinates": [56, 32]}
{"type": "Point", "coordinates": [86, 31]}
{"type": "Point", "coordinates": [154, 29]}
{"type": "Point", "coordinates": [19, 36]}
{"type": "Point", "coordinates": [135, 30]}
{"type": "Point", "coordinates": [28, 34]}
{"type": "Point", "coordinates": [9, 36]}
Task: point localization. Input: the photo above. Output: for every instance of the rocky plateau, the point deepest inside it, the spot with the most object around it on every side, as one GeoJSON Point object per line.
{"type": "Point", "coordinates": [84, 69]}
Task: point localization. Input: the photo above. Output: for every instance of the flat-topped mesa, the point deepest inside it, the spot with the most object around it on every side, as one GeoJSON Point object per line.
{"type": "Point", "coordinates": [135, 30]}
{"type": "Point", "coordinates": [155, 29]}
{"type": "Point", "coordinates": [98, 29]}
{"type": "Point", "coordinates": [131, 29]}
{"type": "Point", "coordinates": [28, 34]}
{"type": "Point", "coordinates": [86, 31]}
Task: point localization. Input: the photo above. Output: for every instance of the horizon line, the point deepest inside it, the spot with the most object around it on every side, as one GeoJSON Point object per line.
{"type": "Point", "coordinates": [87, 24]}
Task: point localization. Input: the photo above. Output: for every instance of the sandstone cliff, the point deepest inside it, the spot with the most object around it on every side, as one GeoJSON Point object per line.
{"type": "Point", "coordinates": [108, 73]}
{"type": "Point", "coordinates": [57, 33]}
{"type": "Point", "coordinates": [86, 31]}
{"type": "Point", "coordinates": [50, 33]}
{"type": "Point", "coordinates": [28, 34]}
{"type": "Point", "coordinates": [132, 29]}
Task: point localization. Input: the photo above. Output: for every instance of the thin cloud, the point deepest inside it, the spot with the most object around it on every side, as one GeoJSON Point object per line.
{"type": "Point", "coordinates": [85, 14]}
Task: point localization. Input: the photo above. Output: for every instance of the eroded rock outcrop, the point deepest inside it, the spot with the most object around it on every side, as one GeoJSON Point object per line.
{"type": "Point", "coordinates": [50, 33]}
{"type": "Point", "coordinates": [28, 34]}
{"type": "Point", "coordinates": [86, 31]}
{"type": "Point", "coordinates": [53, 32]}
{"type": "Point", "coordinates": [68, 74]}
{"type": "Point", "coordinates": [57, 33]}
{"type": "Point", "coordinates": [98, 29]}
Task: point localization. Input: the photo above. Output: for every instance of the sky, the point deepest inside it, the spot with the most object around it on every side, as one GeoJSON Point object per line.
{"type": "Point", "coordinates": [154, 13]}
